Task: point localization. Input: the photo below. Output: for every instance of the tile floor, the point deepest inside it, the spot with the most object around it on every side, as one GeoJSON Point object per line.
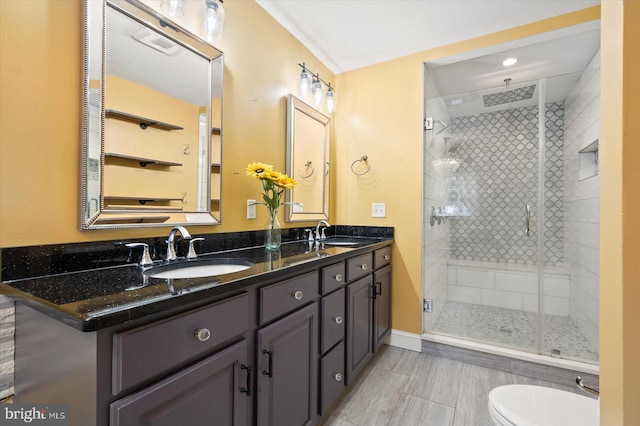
{"type": "Point", "coordinates": [513, 328]}
{"type": "Point", "coordinates": [402, 387]}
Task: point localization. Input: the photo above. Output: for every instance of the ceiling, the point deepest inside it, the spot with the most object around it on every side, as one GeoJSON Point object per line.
{"type": "Point", "coordinates": [350, 34]}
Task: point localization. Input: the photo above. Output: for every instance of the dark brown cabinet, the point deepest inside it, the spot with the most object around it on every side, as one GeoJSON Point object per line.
{"type": "Point", "coordinates": [368, 308]}
{"type": "Point", "coordinates": [381, 306]}
{"type": "Point", "coordinates": [212, 391]}
{"type": "Point", "coordinates": [287, 370]}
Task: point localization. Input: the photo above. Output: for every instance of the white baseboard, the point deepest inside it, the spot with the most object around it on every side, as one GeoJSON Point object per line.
{"type": "Point", "coordinates": [404, 340]}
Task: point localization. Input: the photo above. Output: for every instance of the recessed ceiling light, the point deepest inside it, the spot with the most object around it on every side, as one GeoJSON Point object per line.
{"type": "Point", "coordinates": [509, 61]}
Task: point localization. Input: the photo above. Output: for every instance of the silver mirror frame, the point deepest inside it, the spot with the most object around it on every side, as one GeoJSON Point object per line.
{"type": "Point", "coordinates": [296, 109]}
{"type": "Point", "coordinates": [95, 69]}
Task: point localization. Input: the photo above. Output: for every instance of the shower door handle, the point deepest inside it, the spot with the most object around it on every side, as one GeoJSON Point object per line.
{"type": "Point", "coordinates": [527, 224]}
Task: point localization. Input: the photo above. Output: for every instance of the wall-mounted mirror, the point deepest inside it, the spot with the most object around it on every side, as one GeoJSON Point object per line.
{"type": "Point", "coordinates": [307, 162]}
{"type": "Point", "coordinates": [152, 131]}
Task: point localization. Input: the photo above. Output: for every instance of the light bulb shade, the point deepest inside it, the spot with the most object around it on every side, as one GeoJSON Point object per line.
{"type": "Point", "coordinates": [304, 84]}
{"type": "Point", "coordinates": [213, 20]}
{"type": "Point", "coordinates": [316, 93]}
{"type": "Point", "coordinates": [173, 8]}
{"type": "Point", "coordinates": [331, 100]}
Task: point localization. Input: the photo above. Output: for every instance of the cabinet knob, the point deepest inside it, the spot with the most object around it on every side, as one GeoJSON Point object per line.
{"type": "Point", "coordinates": [387, 257]}
{"type": "Point", "coordinates": [297, 295]}
{"type": "Point", "coordinates": [203, 334]}
{"type": "Point", "coordinates": [338, 277]}
{"type": "Point", "coordinates": [364, 267]}
{"type": "Point", "coordinates": [338, 377]}
{"type": "Point", "coordinates": [338, 320]}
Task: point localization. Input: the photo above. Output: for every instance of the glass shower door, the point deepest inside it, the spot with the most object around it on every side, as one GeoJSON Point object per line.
{"type": "Point", "coordinates": [481, 192]}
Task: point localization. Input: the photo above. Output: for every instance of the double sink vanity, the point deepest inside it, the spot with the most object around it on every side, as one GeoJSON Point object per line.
{"type": "Point", "coordinates": [274, 340]}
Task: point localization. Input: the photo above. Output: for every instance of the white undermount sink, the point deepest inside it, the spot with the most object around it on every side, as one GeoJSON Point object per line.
{"type": "Point", "coordinates": [337, 241]}
{"type": "Point", "coordinates": [198, 269]}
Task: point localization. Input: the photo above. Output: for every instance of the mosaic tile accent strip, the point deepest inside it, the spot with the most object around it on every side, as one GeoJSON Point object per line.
{"type": "Point", "coordinates": [515, 329]}
{"type": "Point", "coordinates": [508, 96]}
{"type": "Point", "coordinates": [498, 177]}
{"type": "Point", "coordinates": [7, 324]}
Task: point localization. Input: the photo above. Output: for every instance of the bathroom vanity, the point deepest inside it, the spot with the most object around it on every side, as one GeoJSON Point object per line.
{"type": "Point", "coordinates": [274, 344]}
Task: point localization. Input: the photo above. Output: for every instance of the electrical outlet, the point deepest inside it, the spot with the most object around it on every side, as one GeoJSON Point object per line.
{"type": "Point", "coordinates": [378, 210]}
{"type": "Point", "coordinates": [251, 209]}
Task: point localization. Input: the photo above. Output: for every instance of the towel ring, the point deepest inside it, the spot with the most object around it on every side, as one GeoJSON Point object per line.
{"type": "Point", "coordinates": [362, 159]}
{"type": "Point", "coordinates": [307, 165]}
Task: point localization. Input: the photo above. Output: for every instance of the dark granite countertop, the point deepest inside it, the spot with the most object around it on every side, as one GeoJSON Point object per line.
{"type": "Point", "coordinates": [96, 298]}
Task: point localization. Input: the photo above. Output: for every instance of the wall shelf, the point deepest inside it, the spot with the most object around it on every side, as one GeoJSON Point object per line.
{"type": "Point", "coordinates": [142, 161]}
{"type": "Point", "coordinates": [143, 122]}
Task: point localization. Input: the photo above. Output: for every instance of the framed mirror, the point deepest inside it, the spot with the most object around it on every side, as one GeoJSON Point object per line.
{"type": "Point", "coordinates": [308, 147]}
{"type": "Point", "coordinates": [152, 120]}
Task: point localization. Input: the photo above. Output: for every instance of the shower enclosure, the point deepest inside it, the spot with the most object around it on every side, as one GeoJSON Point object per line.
{"type": "Point", "coordinates": [511, 202]}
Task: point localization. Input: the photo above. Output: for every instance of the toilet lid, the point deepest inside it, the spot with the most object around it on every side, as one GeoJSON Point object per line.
{"type": "Point", "coordinates": [527, 405]}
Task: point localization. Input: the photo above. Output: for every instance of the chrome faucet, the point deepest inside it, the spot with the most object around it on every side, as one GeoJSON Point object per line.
{"type": "Point", "coordinates": [171, 248]}
{"type": "Point", "coordinates": [319, 236]}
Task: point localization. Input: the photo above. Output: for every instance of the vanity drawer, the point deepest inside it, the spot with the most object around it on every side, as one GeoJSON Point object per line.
{"type": "Point", "coordinates": [359, 266]}
{"type": "Point", "coordinates": [331, 377]}
{"type": "Point", "coordinates": [332, 320]}
{"type": "Point", "coordinates": [332, 277]}
{"type": "Point", "coordinates": [286, 296]}
{"type": "Point", "coordinates": [381, 257]}
{"type": "Point", "coordinates": [144, 352]}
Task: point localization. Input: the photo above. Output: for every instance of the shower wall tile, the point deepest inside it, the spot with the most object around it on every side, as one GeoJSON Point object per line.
{"type": "Point", "coordinates": [462, 294]}
{"type": "Point", "coordinates": [523, 283]}
{"type": "Point", "coordinates": [502, 299]}
{"type": "Point", "coordinates": [475, 278]}
{"type": "Point", "coordinates": [498, 178]}
{"type": "Point", "coordinates": [582, 202]}
{"type": "Point", "coordinates": [556, 286]}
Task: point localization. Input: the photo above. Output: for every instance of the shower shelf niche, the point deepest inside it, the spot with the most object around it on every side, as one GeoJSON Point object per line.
{"type": "Point", "coordinates": [588, 160]}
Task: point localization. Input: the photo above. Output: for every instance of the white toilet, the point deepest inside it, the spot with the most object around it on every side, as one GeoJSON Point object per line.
{"type": "Point", "coordinates": [527, 405]}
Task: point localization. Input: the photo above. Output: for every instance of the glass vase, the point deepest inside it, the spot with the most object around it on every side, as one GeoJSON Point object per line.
{"type": "Point", "coordinates": [272, 231]}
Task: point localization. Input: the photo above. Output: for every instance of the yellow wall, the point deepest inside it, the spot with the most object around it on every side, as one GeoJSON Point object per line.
{"type": "Point", "coordinates": [620, 205]}
{"type": "Point", "coordinates": [40, 108]}
{"type": "Point", "coordinates": [380, 115]}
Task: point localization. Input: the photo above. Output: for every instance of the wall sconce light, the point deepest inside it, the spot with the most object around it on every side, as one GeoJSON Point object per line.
{"type": "Point", "coordinates": [213, 20]}
{"type": "Point", "coordinates": [173, 8]}
{"type": "Point", "coordinates": [310, 85]}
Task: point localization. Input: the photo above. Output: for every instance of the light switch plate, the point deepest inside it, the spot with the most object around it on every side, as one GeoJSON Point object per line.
{"type": "Point", "coordinates": [378, 210]}
{"type": "Point", "coordinates": [251, 209]}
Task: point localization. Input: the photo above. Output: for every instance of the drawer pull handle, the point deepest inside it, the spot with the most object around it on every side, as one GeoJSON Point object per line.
{"type": "Point", "coordinates": [338, 277]}
{"type": "Point", "coordinates": [203, 334]}
{"type": "Point", "coordinates": [364, 267]}
{"type": "Point", "coordinates": [298, 295]}
{"type": "Point", "coordinates": [338, 320]}
{"type": "Point", "coordinates": [386, 257]}
{"type": "Point", "coordinates": [247, 390]}
{"type": "Point", "coordinates": [338, 377]}
{"type": "Point", "coordinates": [268, 373]}
{"type": "Point", "coordinates": [379, 288]}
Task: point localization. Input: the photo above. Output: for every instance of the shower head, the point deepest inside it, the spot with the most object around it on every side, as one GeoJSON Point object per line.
{"type": "Point", "coordinates": [508, 96]}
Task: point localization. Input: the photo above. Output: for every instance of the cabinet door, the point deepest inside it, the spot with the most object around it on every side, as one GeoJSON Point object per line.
{"type": "Point", "coordinates": [287, 370]}
{"type": "Point", "coordinates": [213, 391]}
{"type": "Point", "coordinates": [381, 306]}
{"type": "Point", "coordinates": [359, 329]}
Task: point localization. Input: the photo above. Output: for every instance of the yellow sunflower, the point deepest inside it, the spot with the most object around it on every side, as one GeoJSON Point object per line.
{"type": "Point", "coordinates": [286, 182]}
{"type": "Point", "coordinates": [259, 170]}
